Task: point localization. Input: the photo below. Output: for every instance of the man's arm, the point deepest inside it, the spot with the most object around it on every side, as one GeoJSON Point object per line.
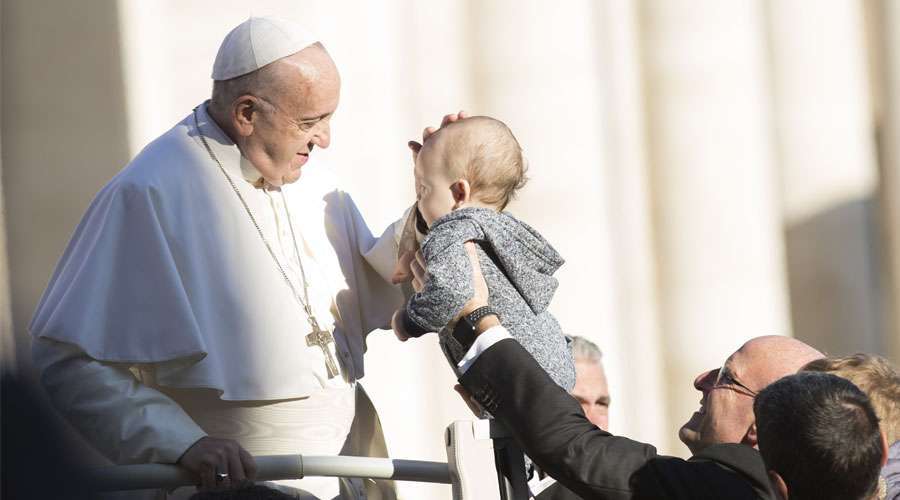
{"type": "Point", "coordinates": [550, 425]}
{"type": "Point", "coordinates": [127, 421]}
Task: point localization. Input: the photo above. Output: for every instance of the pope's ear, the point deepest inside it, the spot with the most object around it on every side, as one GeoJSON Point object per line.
{"type": "Point", "coordinates": [244, 113]}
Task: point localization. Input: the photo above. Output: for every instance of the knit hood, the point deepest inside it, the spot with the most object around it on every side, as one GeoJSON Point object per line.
{"type": "Point", "coordinates": [526, 258]}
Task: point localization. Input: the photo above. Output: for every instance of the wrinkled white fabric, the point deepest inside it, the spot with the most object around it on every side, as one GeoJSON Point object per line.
{"type": "Point", "coordinates": [125, 420]}
{"type": "Point", "coordinates": [167, 269]}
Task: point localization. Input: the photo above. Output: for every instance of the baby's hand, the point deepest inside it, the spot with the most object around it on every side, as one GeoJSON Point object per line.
{"type": "Point", "coordinates": [397, 326]}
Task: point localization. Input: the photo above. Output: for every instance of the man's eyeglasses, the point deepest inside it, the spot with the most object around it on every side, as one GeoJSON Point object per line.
{"type": "Point", "coordinates": [302, 125]}
{"type": "Point", "coordinates": [725, 380]}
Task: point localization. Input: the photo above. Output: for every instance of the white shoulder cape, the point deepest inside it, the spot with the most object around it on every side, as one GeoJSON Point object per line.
{"type": "Point", "coordinates": [166, 268]}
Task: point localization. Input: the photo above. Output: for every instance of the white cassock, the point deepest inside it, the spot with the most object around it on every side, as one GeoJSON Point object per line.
{"type": "Point", "coordinates": [167, 319]}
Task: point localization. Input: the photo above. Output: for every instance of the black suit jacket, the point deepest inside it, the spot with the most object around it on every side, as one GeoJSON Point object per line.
{"type": "Point", "coordinates": [557, 491]}
{"type": "Point", "coordinates": [553, 431]}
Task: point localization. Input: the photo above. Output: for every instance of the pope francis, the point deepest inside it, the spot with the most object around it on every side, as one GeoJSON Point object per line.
{"type": "Point", "coordinates": [214, 300]}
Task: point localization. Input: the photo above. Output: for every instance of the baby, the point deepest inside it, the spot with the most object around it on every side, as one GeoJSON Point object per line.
{"type": "Point", "coordinates": [466, 173]}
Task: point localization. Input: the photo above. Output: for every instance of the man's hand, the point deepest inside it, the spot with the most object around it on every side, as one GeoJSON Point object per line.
{"type": "Point", "coordinates": [210, 456]}
{"type": "Point", "coordinates": [448, 119]}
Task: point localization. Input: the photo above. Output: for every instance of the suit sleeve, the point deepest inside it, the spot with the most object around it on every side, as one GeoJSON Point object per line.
{"type": "Point", "coordinates": [447, 284]}
{"type": "Point", "coordinates": [550, 425]}
{"type": "Point", "coordinates": [125, 420]}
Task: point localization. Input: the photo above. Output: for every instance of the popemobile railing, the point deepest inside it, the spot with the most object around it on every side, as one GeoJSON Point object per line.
{"type": "Point", "coordinates": [472, 448]}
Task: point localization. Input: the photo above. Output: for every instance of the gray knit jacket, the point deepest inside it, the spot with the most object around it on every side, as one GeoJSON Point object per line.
{"type": "Point", "coordinates": [517, 263]}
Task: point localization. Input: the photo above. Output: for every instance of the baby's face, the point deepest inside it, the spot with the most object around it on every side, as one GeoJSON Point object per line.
{"type": "Point", "coordinates": [433, 182]}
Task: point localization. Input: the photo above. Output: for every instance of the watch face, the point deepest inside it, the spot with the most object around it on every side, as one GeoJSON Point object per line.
{"type": "Point", "coordinates": [464, 333]}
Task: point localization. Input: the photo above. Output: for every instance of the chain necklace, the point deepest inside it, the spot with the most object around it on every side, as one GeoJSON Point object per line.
{"type": "Point", "coordinates": [304, 301]}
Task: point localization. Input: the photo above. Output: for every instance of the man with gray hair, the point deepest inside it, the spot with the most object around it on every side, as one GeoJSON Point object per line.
{"type": "Point", "coordinates": [591, 388]}
{"type": "Point", "coordinates": [214, 301]}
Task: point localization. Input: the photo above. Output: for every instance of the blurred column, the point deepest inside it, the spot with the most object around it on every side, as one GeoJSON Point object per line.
{"type": "Point", "coordinates": [64, 134]}
{"type": "Point", "coordinates": [718, 231]}
{"type": "Point", "coordinates": [888, 13]}
{"type": "Point", "coordinates": [536, 66]}
{"type": "Point", "coordinates": [636, 407]}
{"type": "Point", "coordinates": [828, 169]}
{"type": "Point", "coordinates": [7, 340]}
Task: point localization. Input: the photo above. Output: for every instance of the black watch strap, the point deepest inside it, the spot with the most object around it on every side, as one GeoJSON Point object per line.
{"type": "Point", "coordinates": [464, 333]}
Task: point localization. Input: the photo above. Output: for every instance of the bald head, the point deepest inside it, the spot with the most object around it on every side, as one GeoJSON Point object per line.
{"type": "Point", "coordinates": [764, 360]}
{"type": "Point", "coordinates": [726, 405]}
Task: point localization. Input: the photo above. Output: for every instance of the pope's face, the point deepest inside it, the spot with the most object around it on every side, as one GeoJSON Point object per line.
{"type": "Point", "coordinates": [293, 122]}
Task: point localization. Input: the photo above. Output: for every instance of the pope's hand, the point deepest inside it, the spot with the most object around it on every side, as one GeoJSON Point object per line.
{"type": "Point", "coordinates": [448, 119]}
{"type": "Point", "coordinates": [410, 267]}
{"type": "Point", "coordinates": [219, 463]}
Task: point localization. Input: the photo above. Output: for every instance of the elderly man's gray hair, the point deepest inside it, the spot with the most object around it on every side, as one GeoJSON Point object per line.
{"type": "Point", "coordinates": [585, 350]}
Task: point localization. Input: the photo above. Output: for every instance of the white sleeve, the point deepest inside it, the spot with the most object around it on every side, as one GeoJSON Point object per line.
{"type": "Point", "coordinates": [125, 420]}
{"type": "Point", "coordinates": [382, 256]}
{"type": "Point", "coordinates": [482, 342]}
{"type": "Point", "coordinates": [402, 235]}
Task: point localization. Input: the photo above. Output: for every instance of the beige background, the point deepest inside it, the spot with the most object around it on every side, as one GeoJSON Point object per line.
{"type": "Point", "coordinates": [711, 170]}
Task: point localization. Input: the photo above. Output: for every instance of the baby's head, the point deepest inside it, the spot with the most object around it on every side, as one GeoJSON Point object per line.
{"type": "Point", "coordinates": [471, 162]}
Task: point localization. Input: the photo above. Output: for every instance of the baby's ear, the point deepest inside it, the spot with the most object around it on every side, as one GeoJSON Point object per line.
{"type": "Point", "coordinates": [462, 192]}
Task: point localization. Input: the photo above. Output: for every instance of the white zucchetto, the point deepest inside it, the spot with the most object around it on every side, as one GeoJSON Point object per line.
{"type": "Point", "coordinates": [257, 42]}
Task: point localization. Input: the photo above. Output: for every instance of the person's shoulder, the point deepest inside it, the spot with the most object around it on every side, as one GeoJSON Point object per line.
{"type": "Point", "coordinates": [740, 458]}
{"type": "Point", "coordinates": [169, 161]}
{"type": "Point", "coordinates": [732, 454]}
{"type": "Point", "coordinates": [731, 471]}
{"type": "Point", "coordinates": [161, 159]}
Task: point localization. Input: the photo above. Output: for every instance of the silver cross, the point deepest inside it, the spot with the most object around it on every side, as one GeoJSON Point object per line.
{"type": "Point", "coordinates": [322, 338]}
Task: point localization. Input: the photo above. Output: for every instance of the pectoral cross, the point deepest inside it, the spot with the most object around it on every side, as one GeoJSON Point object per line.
{"type": "Point", "coordinates": [322, 338]}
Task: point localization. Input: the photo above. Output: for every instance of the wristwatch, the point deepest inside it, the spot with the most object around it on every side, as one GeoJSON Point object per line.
{"type": "Point", "coordinates": [465, 330]}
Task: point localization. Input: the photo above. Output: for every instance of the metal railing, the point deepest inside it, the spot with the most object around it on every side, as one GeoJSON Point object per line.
{"type": "Point", "coordinates": [272, 468]}
{"type": "Point", "coordinates": [508, 460]}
